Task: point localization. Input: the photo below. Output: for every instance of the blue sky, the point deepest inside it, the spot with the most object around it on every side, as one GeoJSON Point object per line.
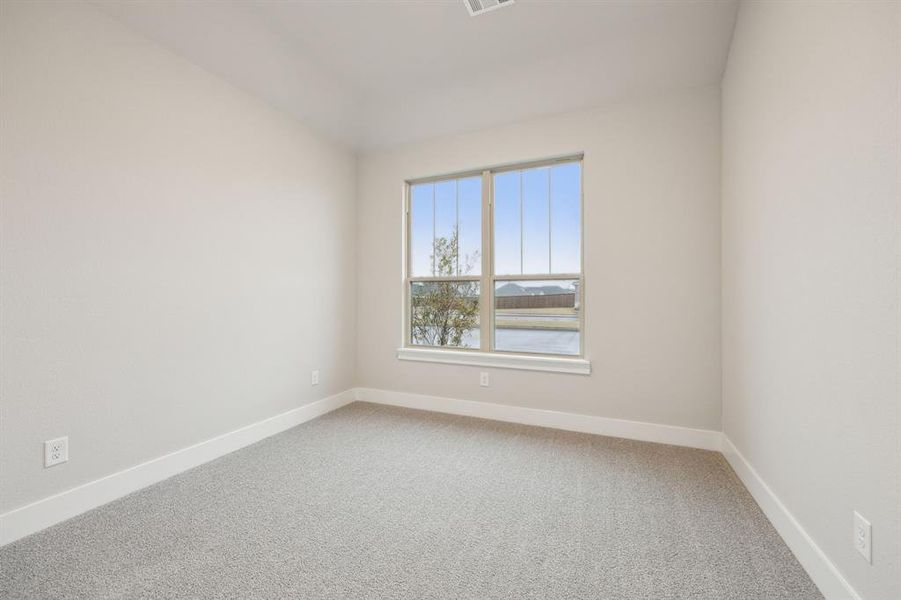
{"type": "Point", "coordinates": [536, 220]}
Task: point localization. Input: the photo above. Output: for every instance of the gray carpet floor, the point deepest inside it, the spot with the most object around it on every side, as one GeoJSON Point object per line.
{"type": "Point", "coordinates": [378, 502]}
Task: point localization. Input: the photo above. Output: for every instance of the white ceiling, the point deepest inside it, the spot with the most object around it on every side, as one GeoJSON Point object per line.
{"type": "Point", "coordinates": [383, 72]}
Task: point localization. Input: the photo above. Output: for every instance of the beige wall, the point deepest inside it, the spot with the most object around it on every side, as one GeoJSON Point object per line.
{"type": "Point", "coordinates": [177, 256]}
{"type": "Point", "coordinates": [175, 253]}
{"type": "Point", "coordinates": [811, 159]}
{"type": "Point", "coordinates": [651, 194]}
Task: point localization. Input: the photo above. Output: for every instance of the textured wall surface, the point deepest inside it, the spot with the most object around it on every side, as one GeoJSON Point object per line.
{"type": "Point", "coordinates": [175, 252]}
{"type": "Point", "coordinates": [811, 187]}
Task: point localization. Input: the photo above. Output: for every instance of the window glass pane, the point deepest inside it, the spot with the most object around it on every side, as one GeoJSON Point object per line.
{"type": "Point", "coordinates": [507, 223]}
{"type": "Point", "coordinates": [445, 313]}
{"type": "Point", "coordinates": [566, 194]}
{"type": "Point", "coordinates": [445, 228]}
{"type": "Point", "coordinates": [536, 221]}
{"type": "Point", "coordinates": [422, 231]}
{"type": "Point", "coordinates": [537, 316]}
{"type": "Point", "coordinates": [470, 226]}
{"type": "Point", "coordinates": [537, 232]}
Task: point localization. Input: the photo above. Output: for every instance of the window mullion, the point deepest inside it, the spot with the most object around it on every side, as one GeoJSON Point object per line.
{"type": "Point", "coordinates": [522, 233]}
{"type": "Point", "coordinates": [550, 241]}
{"type": "Point", "coordinates": [457, 217]}
{"type": "Point", "coordinates": [406, 330]}
{"type": "Point", "coordinates": [434, 227]}
{"type": "Point", "coordinates": [538, 277]}
{"type": "Point", "coordinates": [485, 291]}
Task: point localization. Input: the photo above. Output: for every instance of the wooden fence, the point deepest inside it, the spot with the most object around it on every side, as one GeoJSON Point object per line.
{"type": "Point", "coordinates": [547, 301]}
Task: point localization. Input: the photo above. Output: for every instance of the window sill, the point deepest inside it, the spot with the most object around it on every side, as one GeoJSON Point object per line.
{"type": "Point", "coordinates": [553, 364]}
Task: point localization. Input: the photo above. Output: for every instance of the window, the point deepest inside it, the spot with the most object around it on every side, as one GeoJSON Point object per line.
{"type": "Point", "coordinates": [494, 262]}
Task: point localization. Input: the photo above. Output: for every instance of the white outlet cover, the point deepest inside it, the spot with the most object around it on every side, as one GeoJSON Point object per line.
{"type": "Point", "coordinates": [484, 379]}
{"type": "Point", "coordinates": [863, 537]}
{"type": "Point", "coordinates": [56, 451]}
{"type": "Point", "coordinates": [314, 377]}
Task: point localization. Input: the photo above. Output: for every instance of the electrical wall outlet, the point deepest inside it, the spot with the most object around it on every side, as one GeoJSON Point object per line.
{"type": "Point", "coordinates": [484, 380]}
{"type": "Point", "coordinates": [863, 534]}
{"type": "Point", "coordinates": [56, 451]}
{"type": "Point", "coordinates": [314, 377]}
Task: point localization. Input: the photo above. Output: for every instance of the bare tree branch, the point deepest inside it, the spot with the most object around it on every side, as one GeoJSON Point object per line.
{"type": "Point", "coordinates": [445, 311]}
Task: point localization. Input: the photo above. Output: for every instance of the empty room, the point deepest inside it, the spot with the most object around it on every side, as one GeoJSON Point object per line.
{"type": "Point", "coordinates": [450, 299]}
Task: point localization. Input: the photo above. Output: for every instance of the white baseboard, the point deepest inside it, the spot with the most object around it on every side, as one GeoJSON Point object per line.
{"type": "Point", "coordinates": [33, 517]}
{"type": "Point", "coordinates": [704, 439]}
{"type": "Point", "coordinates": [38, 515]}
{"type": "Point", "coordinates": [821, 570]}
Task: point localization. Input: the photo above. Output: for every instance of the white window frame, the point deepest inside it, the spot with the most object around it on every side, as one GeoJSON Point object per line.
{"type": "Point", "coordinates": [485, 355]}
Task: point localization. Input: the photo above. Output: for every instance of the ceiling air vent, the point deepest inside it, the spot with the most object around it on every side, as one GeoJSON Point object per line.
{"type": "Point", "coordinates": [477, 7]}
